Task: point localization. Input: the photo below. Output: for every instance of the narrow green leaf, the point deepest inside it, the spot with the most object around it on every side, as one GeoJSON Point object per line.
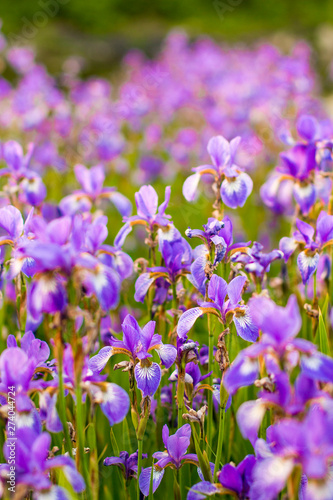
{"type": "Point", "coordinates": [323, 335]}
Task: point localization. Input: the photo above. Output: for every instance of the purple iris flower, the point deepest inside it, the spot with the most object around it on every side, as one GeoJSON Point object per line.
{"type": "Point", "coordinates": [255, 261]}
{"type": "Point", "coordinates": [175, 457]}
{"type": "Point", "coordinates": [235, 186]}
{"type": "Point", "coordinates": [92, 191]}
{"type": "Point", "coordinates": [278, 346]}
{"type": "Point", "coordinates": [210, 237]}
{"type": "Point", "coordinates": [296, 176]}
{"type": "Point", "coordinates": [30, 185]}
{"type": "Point", "coordinates": [218, 239]}
{"type": "Point", "coordinates": [177, 256]}
{"type": "Point", "coordinates": [278, 394]}
{"type": "Point", "coordinates": [33, 467]}
{"type": "Point", "coordinates": [234, 480]}
{"type": "Point", "coordinates": [307, 443]}
{"type": "Point", "coordinates": [128, 464]}
{"type": "Point", "coordinates": [226, 310]}
{"type": "Point", "coordinates": [149, 214]}
{"type": "Point", "coordinates": [137, 344]}
{"type": "Point", "coordinates": [23, 369]}
{"type": "Point", "coordinates": [308, 258]}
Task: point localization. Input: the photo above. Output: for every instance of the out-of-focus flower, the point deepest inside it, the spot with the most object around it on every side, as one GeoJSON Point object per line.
{"type": "Point", "coordinates": [235, 186]}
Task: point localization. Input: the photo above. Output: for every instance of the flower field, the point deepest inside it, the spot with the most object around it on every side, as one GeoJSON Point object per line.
{"type": "Point", "coordinates": [166, 246]}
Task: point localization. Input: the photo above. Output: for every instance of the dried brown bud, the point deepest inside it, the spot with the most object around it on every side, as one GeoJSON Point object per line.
{"type": "Point", "coordinates": [72, 433]}
{"type": "Point", "coordinates": [140, 265]}
{"type": "Point", "coordinates": [313, 313]}
{"type": "Point", "coordinates": [221, 355]}
{"type": "Point", "coordinates": [125, 366]}
{"type": "Point", "coordinates": [265, 383]}
{"type": "Point", "coordinates": [197, 416]}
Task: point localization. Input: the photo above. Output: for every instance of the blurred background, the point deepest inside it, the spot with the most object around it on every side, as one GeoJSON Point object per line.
{"type": "Point", "coordinates": [102, 31]}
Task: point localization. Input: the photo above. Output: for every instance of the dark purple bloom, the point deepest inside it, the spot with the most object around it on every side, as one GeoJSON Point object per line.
{"type": "Point", "coordinates": [175, 457]}
{"type": "Point", "coordinates": [236, 480]}
{"type": "Point", "coordinates": [128, 464]}
{"type": "Point", "coordinates": [177, 256]}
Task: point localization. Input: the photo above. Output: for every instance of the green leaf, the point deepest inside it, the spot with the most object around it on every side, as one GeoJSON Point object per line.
{"type": "Point", "coordinates": [202, 457]}
{"type": "Point", "coordinates": [323, 335]}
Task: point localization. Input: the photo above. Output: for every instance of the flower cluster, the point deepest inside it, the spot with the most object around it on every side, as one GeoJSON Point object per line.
{"type": "Point", "coordinates": [187, 344]}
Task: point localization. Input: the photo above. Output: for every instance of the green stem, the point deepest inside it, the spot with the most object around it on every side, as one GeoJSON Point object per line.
{"type": "Point", "coordinates": [80, 435]}
{"type": "Point", "coordinates": [180, 394]}
{"type": "Point", "coordinates": [315, 288]}
{"type": "Point", "coordinates": [210, 394]}
{"type": "Point", "coordinates": [62, 402]}
{"type": "Point", "coordinates": [176, 485]}
{"type": "Point", "coordinates": [221, 433]}
{"type": "Point", "coordinates": [140, 447]}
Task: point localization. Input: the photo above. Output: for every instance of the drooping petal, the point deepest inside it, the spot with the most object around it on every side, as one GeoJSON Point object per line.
{"type": "Point", "coordinates": [115, 404]}
{"type": "Point", "coordinates": [202, 490]}
{"type": "Point", "coordinates": [231, 479]}
{"type": "Point", "coordinates": [235, 190]}
{"type": "Point", "coordinates": [148, 378]}
{"type": "Point", "coordinates": [122, 204]}
{"type": "Point", "coordinates": [11, 222]}
{"type": "Point", "coordinates": [269, 477]}
{"type": "Point", "coordinates": [305, 197]}
{"type": "Point", "coordinates": [242, 372]}
{"type": "Point", "coordinates": [187, 320]}
{"type": "Point", "coordinates": [318, 367]}
{"type": "Point", "coordinates": [144, 480]}
{"type": "Point", "coordinates": [46, 295]}
{"type": "Point", "coordinates": [98, 362]}
{"type": "Point", "coordinates": [287, 247]}
{"type": "Point", "coordinates": [249, 417]}
{"type": "Point", "coordinates": [190, 186]}
{"type": "Point", "coordinates": [67, 464]}
{"type": "Point", "coordinates": [245, 327]}
{"type": "Point", "coordinates": [142, 285]}
{"type": "Point", "coordinates": [307, 265]}
{"type": "Point", "coordinates": [324, 228]}
{"type": "Point", "coordinates": [280, 323]}
{"type": "Point", "coordinates": [167, 354]}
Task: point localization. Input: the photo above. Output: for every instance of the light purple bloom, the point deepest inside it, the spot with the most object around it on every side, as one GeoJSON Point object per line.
{"type": "Point", "coordinates": [308, 258]}
{"type": "Point", "coordinates": [226, 310]}
{"type": "Point", "coordinates": [235, 185]}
